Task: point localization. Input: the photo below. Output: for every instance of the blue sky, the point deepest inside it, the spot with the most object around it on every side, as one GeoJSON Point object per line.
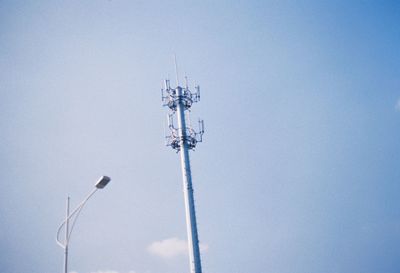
{"type": "Point", "coordinates": [298, 171]}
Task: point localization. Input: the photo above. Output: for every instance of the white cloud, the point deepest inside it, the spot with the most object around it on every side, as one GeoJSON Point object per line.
{"type": "Point", "coordinates": [171, 247]}
{"type": "Point", "coordinates": [168, 248]}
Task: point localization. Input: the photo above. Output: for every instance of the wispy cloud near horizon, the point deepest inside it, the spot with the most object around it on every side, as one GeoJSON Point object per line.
{"type": "Point", "coordinates": [171, 247]}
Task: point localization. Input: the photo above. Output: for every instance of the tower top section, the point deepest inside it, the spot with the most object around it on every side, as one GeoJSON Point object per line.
{"type": "Point", "coordinates": [179, 100]}
{"type": "Point", "coordinates": [171, 97]}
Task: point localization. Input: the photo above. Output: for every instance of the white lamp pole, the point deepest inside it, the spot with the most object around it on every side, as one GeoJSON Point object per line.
{"type": "Point", "coordinates": [103, 181]}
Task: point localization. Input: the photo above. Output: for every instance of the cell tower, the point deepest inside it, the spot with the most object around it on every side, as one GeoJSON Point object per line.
{"type": "Point", "coordinates": [182, 139]}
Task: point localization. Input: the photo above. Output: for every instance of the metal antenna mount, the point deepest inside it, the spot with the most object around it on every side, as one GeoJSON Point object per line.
{"type": "Point", "coordinates": [173, 98]}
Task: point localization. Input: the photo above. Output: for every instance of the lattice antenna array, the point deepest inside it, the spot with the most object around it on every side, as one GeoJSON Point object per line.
{"type": "Point", "coordinates": [172, 98]}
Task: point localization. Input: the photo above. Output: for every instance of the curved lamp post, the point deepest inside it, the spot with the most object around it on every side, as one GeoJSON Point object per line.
{"type": "Point", "coordinates": [103, 181]}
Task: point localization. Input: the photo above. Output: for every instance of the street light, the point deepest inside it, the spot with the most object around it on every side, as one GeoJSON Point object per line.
{"type": "Point", "coordinates": [101, 183]}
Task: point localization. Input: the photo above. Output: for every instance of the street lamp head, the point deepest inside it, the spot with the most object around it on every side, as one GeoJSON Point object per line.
{"type": "Point", "coordinates": [103, 181]}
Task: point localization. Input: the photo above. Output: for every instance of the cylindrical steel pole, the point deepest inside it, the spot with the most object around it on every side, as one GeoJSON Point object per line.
{"type": "Point", "coordinates": [191, 225]}
{"type": "Point", "coordinates": [66, 238]}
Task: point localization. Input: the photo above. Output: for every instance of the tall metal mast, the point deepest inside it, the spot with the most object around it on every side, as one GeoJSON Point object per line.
{"type": "Point", "coordinates": [182, 139]}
